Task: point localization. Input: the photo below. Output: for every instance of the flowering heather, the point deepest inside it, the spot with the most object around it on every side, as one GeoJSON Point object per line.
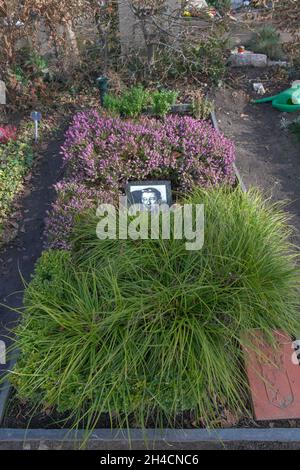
{"type": "Point", "coordinates": [108, 152]}
{"type": "Point", "coordinates": [102, 154]}
{"type": "Point", "coordinates": [72, 198]}
{"type": "Point", "coordinates": [7, 133]}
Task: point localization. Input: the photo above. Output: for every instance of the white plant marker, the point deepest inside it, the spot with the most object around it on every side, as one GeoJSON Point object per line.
{"type": "Point", "coordinates": [2, 353]}
{"type": "Point", "coordinates": [36, 116]}
{"type": "Point", "coordinates": [2, 92]}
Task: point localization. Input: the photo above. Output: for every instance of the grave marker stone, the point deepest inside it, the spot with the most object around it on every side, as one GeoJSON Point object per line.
{"type": "Point", "coordinates": [274, 377]}
{"type": "Point", "coordinates": [248, 59]}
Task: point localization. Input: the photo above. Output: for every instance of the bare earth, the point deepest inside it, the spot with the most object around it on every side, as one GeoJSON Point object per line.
{"type": "Point", "coordinates": [267, 156]}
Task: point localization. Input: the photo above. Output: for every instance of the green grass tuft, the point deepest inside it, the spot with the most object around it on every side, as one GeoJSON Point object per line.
{"type": "Point", "coordinates": [266, 40]}
{"type": "Point", "coordinates": [140, 328]}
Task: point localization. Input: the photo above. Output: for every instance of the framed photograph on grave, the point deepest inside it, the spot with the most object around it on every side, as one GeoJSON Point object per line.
{"type": "Point", "coordinates": [149, 193]}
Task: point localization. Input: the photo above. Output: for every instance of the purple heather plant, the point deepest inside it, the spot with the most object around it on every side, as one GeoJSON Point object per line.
{"type": "Point", "coordinates": [108, 152]}
{"type": "Point", "coordinates": [73, 197]}
{"type": "Point", "coordinates": [102, 154]}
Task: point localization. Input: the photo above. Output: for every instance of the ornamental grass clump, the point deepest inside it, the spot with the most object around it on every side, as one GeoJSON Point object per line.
{"type": "Point", "coordinates": [144, 330]}
{"type": "Point", "coordinates": [267, 40]}
{"type": "Point", "coordinates": [108, 152]}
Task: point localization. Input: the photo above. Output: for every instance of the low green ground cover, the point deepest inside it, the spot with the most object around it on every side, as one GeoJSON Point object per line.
{"type": "Point", "coordinates": [16, 156]}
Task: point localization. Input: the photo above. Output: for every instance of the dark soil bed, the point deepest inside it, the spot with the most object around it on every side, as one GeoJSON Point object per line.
{"type": "Point", "coordinates": [267, 156]}
{"type": "Point", "coordinates": [17, 258]}
{"type": "Point", "coordinates": [20, 415]}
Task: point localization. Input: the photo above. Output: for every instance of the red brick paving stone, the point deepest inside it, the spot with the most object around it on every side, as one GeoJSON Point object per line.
{"type": "Point", "coordinates": [274, 378]}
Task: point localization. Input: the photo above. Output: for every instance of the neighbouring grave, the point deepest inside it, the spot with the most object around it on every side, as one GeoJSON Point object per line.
{"type": "Point", "coordinates": [248, 59]}
{"type": "Point", "coordinates": [130, 27]}
{"type": "Point", "coordinates": [274, 377]}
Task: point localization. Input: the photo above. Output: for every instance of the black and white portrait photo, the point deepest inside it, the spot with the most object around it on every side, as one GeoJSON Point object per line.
{"type": "Point", "coordinates": [149, 194]}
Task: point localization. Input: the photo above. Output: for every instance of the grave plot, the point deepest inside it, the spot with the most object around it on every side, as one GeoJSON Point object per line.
{"type": "Point", "coordinates": [139, 321]}
{"type": "Point", "coordinates": [115, 298]}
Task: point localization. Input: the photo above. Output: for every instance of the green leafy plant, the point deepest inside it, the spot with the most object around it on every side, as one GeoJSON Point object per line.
{"type": "Point", "coordinates": [267, 41]}
{"type": "Point", "coordinates": [131, 103]}
{"type": "Point", "coordinates": [162, 102]}
{"type": "Point", "coordinates": [17, 73]}
{"type": "Point", "coordinates": [113, 104]}
{"type": "Point", "coordinates": [204, 60]}
{"type": "Point", "coordinates": [37, 65]}
{"type": "Point", "coordinates": [28, 80]}
{"type": "Point", "coordinates": [134, 101]}
{"type": "Point", "coordinates": [202, 107]}
{"type": "Point", "coordinates": [144, 329]}
{"type": "Point", "coordinates": [50, 274]}
{"type": "Point", "coordinates": [15, 159]}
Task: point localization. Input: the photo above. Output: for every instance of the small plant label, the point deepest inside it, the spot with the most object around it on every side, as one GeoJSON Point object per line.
{"type": "Point", "coordinates": [2, 353]}
{"type": "Point", "coordinates": [274, 377]}
{"type": "Point", "coordinates": [36, 116]}
{"type": "Point", "coordinates": [2, 92]}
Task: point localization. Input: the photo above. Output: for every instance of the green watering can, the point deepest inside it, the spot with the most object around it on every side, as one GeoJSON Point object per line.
{"type": "Point", "coordinates": [287, 101]}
